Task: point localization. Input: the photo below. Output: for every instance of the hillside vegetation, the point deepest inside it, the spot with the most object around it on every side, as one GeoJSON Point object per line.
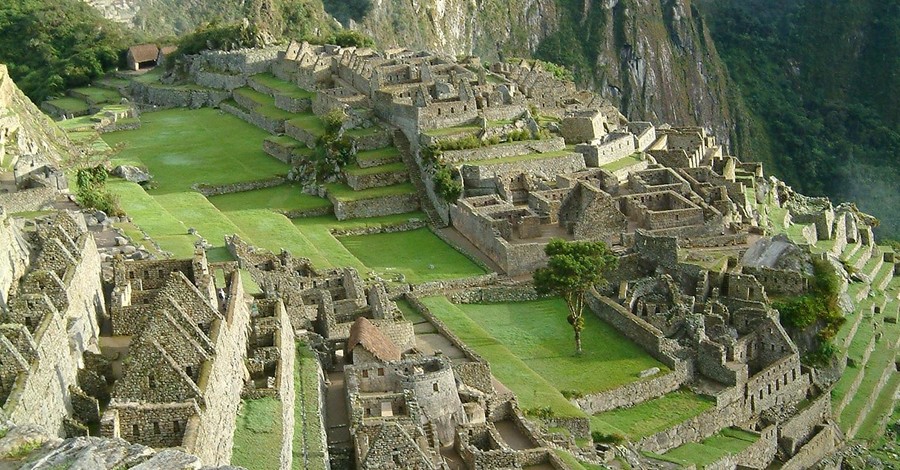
{"type": "Point", "coordinates": [53, 45]}
{"type": "Point", "coordinates": [820, 87]}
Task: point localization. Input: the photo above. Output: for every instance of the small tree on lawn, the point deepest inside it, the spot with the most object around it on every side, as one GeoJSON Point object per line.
{"type": "Point", "coordinates": [573, 269]}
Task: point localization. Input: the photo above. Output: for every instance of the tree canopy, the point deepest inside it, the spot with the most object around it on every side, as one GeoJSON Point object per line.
{"type": "Point", "coordinates": [52, 45]}
{"type": "Point", "coordinates": [572, 270]}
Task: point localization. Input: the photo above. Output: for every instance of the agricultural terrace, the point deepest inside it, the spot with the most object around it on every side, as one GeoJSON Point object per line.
{"type": "Point", "coordinates": [182, 148]}
{"type": "Point", "coordinates": [531, 350]}
{"type": "Point", "coordinates": [257, 434]}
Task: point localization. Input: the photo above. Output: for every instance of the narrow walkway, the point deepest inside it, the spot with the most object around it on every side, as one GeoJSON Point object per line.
{"type": "Point", "coordinates": [337, 421]}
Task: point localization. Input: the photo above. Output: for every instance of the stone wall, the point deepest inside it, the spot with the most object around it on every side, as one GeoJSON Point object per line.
{"type": "Point", "coordinates": [300, 134]}
{"type": "Point", "coordinates": [634, 328]}
{"type": "Point", "coordinates": [240, 61]}
{"type": "Point", "coordinates": [273, 126]}
{"type": "Point", "coordinates": [165, 96]}
{"type": "Point", "coordinates": [612, 148]}
{"type": "Point", "coordinates": [284, 378]}
{"type": "Point", "coordinates": [215, 434]}
{"type": "Point", "coordinates": [822, 444]}
{"type": "Point", "coordinates": [521, 292]}
{"type": "Point", "coordinates": [510, 149]}
{"type": "Point", "coordinates": [214, 190]}
{"type": "Point", "coordinates": [375, 180]}
{"type": "Point", "coordinates": [41, 395]}
{"type": "Point", "coordinates": [476, 374]}
{"type": "Point", "coordinates": [397, 204]}
{"type": "Point", "coordinates": [221, 81]}
{"type": "Point", "coordinates": [30, 199]}
{"type": "Point", "coordinates": [483, 175]}
{"type": "Point", "coordinates": [14, 254]}
{"type": "Point", "coordinates": [635, 392]}
{"type": "Point", "coordinates": [800, 427]}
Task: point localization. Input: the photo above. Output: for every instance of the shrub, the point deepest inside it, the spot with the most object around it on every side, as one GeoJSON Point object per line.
{"type": "Point", "coordinates": [91, 190]}
{"type": "Point", "coordinates": [350, 38]}
{"type": "Point", "coordinates": [446, 185]}
{"type": "Point", "coordinates": [518, 135]}
{"type": "Point", "coordinates": [613, 438]}
{"type": "Point", "coordinates": [570, 394]}
{"type": "Point", "coordinates": [818, 307]}
{"type": "Point", "coordinates": [543, 412]}
{"type": "Point", "coordinates": [333, 121]}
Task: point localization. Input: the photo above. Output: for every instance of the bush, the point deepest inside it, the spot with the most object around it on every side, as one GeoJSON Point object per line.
{"type": "Point", "coordinates": [91, 190]}
{"type": "Point", "coordinates": [446, 185]}
{"type": "Point", "coordinates": [333, 121]}
{"type": "Point", "coordinates": [819, 306]}
{"type": "Point", "coordinates": [543, 412]}
{"type": "Point", "coordinates": [350, 38]}
{"type": "Point", "coordinates": [613, 438]}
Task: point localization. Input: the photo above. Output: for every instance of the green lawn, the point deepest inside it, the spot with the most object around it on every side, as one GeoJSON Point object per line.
{"type": "Point", "coordinates": [532, 390]}
{"type": "Point", "coordinates": [286, 197]}
{"type": "Point", "coordinates": [265, 104]}
{"type": "Point", "coordinates": [342, 192]}
{"type": "Point", "coordinates": [99, 95]}
{"type": "Point", "coordinates": [622, 163]}
{"type": "Point", "coordinates": [447, 131]}
{"type": "Point", "coordinates": [538, 333]}
{"type": "Point", "coordinates": [372, 170]}
{"type": "Point", "coordinates": [196, 212]}
{"type": "Point", "coordinates": [652, 416]}
{"type": "Point", "coordinates": [309, 122]}
{"type": "Point", "coordinates": [418, 254]}
{"type": "Point", "coordinates": [727, 442]}
{"type": "Point", "coordinates": [70, 104]}
{"type": "Point", "coordinates": [283, 87]}
{"type": "Point", "coordinates": [307, 427]}
{"type": "Point", "coordinates": [531, 350]}
{"type": "Point", "coordinates": [183, 147]}
{"type": "Point", "coordinates": [363, 132]}
{"type": "Point", "coordinates": [257, 434]}
{"type": "Point", "coordinates": [147, 213]}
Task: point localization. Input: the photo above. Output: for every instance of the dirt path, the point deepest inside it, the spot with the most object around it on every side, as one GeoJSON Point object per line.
{"type": "Point", "coordinates": [337, 420]}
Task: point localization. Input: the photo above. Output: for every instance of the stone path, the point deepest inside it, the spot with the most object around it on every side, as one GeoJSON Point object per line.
{"type": "Point", "coordinates": [337, 422]}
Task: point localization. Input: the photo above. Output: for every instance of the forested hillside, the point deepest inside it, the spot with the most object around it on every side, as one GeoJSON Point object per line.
{"type": "Point", "coordinates": [821, 82]}
{"type": "Point", "coordinates": [52, 45]}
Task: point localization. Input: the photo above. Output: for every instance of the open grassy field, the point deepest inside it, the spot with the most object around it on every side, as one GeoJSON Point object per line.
{"type": "Point", "coordinates": [99, 95]}
{"type": "Point", "coordinates": [418, 254]}
{"type": "Point", "coordinates": [183, 147]}
{"type": "Point", "coordinates": [72, 105]}
{"type": "Point", "coordinates": [531, 350]}
{"type": "Point", "coordinates": [652, 416]}
{"type": "Point", "coordinates": [257, 434]}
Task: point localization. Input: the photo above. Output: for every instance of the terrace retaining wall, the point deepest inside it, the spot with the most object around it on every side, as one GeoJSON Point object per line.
{"type": "Point", "coordinates": [270, 125]}
{"type": "Point", "coordinates": [163, 96]}
{"type": "Point", "coordinates": [504, 150]}
{"type": "Point", "coordinates": [375, 207]}
{"type": "Point", "coordinates": [215, 190]}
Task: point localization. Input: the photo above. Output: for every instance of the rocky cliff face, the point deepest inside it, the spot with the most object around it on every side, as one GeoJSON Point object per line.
{"type": "Point", "coordinates": [654, 59]}
{"type": "Point", "coordinates": [24, 130]}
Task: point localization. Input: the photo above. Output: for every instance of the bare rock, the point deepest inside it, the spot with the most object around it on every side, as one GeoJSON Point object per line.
{"type": "Point", "coordinates": [132, 173]}
{"type": "Point", "coordinates": [648, 372]}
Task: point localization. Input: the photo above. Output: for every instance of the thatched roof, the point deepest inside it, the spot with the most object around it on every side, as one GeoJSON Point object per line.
{"type": "Point", "coordinates": [144, 52]}
{"type": "Point", "coordinates": [365, 334]}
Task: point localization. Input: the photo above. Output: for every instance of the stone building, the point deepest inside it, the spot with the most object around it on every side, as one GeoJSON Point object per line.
{"type": "Point", "coordinates": [181, 352]}
{"type": "Point", "coordinates": [142, 56]}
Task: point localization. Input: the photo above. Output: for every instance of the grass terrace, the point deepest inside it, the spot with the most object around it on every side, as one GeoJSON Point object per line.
{"type": "Point", "coordinates": [308, 447]}
{"type": "Point", "coordinates": [265, 104]}
{"type": "Point", "coordinates": [448, 131]}
{"type": "Point", "coordinates": [726, 443]}
{"type": "Point", "coordinates": [283, 87]}
{"type": "Point", "coordinates": [625, 162]}
{"type": "Point", "coordinates": [342, 192]}
{"type": "Point", "coordinates": [70, 104]}
{"type": "Point", "coordinates": [652, 416]}
{"type": "Point", "coordinates": [184, 147]}
{"type": "Point", "coordinates": [147, 213]}
{"type": "Point", "coordinates": [519, 158]}
{"type": "Point", "coordinates": [99, 95]}
{"type": "Point", "coordinates": [531, 350]}
{"type": "Point", "coordinates": [308, 122]}
{"type": "Point", "coordinates": [283, 198]}
{"type": "Point", "coordinates": [418, 254]}
{"type": "Point", "coordinates": [372, 170]}
{"type": "Point", "coordinates": [257, 434]}
{"type": "Point", "coordinates": [363, 132]}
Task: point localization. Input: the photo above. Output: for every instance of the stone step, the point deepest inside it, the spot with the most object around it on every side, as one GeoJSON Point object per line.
{"type": "Point", "coordinates": [874, 264]}
{"type": "Point", "coordinates": [849, 251]}
{"type": "Point", "coordinates": [874, 424]}
{"type": "Point", "coordinates": [884, 277]}
{"type": "Point", "coordinates": [375, 177]}
{"type": "Point", "coordinates": [861, 257]}
{"type": "Point", "coordinates": [877, 371]}
{"type": "Point", "coordinates": [858, 354]}
{"type": "Point", "coordinates": [382, 156]}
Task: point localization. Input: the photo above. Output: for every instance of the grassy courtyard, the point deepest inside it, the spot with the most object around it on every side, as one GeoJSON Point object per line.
{"type": "Point", "coordinates": [286, 197]}
{"type": "Point", "coordinates": [708, 451]}
{"type": "Point", "coordinates": [531, 350]}
{"type": "Point", "coordinates": [257, 434]}
{"type": "Point", "coordinates": [184, 147]}
{"type": "Point", "coordinates": [418, 254]}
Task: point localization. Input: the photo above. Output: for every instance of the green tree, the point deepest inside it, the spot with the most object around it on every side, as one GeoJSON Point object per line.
{"type": "Point", "coordinates": [572, 270]}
